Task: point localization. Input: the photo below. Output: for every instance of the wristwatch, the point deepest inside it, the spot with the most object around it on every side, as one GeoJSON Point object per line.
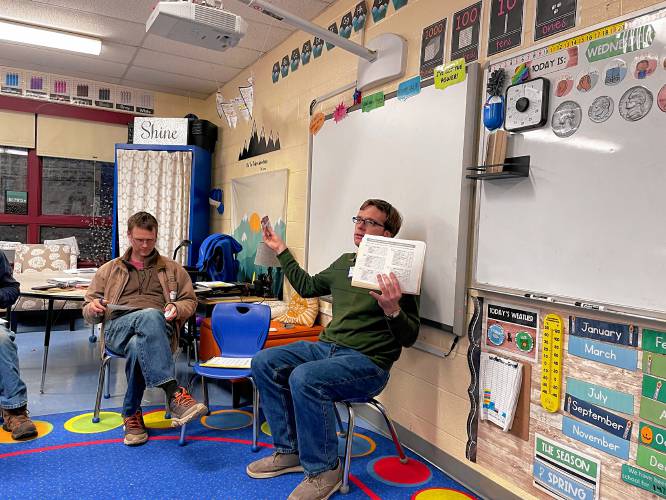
{"type": "Point", "coordinates": [393, 315]}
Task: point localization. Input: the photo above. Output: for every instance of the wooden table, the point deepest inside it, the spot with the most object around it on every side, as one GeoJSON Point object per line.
{"type": "Point", "coordinates": [31, 279]}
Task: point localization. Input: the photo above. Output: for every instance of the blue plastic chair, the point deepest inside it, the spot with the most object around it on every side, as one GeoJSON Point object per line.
{"type": "Point", "coordinates": [240, 330]}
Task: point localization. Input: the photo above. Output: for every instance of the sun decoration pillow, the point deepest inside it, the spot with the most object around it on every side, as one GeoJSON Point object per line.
{"type": "Point", "coordinates": [301, 311]}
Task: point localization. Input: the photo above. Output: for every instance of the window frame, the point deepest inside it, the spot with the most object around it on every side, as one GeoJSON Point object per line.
{"type": "Point", "coordinates": [34, 219]}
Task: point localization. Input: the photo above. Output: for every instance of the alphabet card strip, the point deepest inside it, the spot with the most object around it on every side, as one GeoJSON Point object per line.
{"type": "Point", "coordinates": [615, 333]}
{"type": "Point", "coordinates": [596, 438]}
{"type": "Point", "coordinates": [604, 353]}
{"type": "Point", "coordinates": [602, 396]}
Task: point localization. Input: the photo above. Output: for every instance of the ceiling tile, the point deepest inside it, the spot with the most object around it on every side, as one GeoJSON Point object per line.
{"type": "Point", "coordinates": [129, 33]}
{"type": "Point", "coordinates": [236, 57]}
{"type": "Point", "coordinates": [59, 62]}
{"type": "Point", "coordinates": [306, 9]}
{"type": "Point", "coordinates": [162, 88]}
{"type": "Point", "coordinates": [75, 74]}
{"type": "Point", "coordinates": [131, 56]}
{"type": "Point", "coordinates": [184, 66]}
{"type": "Point", "coordinates": [262, 37]}
{"type": "Point", "coordinates": [185, 84]}
{"type": "Point", "coordinates": [136, 11]}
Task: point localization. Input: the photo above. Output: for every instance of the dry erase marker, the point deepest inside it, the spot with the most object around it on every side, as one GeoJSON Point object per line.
{"type": "Point", "coordinates": [538, 297]}
{"type": "Point", "coordinates": [586, 305]}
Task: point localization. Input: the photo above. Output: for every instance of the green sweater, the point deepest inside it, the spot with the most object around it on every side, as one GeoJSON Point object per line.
{"type": "Point", "coordinates": [358, 321]}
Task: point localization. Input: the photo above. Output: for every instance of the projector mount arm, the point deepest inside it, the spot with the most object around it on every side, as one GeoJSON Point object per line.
{"type": "Point", "coordinates": [295, 21]}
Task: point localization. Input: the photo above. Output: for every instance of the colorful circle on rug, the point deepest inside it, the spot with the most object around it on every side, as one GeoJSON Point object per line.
{"type": "Point", "coordinates": [155, 420]}
{"type": "Point", "coordinates": [227, 420]}
{"type": "Point", "coordinates": [266, 429]}
{"type": "Point", "coordinates": [362, 446]}
{"type": "Point", "coordinates": [389, 470]}
{"type": "Point", "coordinates": [440, 494]}
{"type": "Point", "coordinates": [83, 424]}
{"type": "Point", "coordinates": [43, 428]}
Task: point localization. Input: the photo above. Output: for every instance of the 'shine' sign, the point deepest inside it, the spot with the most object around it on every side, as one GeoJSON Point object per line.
{"type": "Point", "coordinates": [172, 131]}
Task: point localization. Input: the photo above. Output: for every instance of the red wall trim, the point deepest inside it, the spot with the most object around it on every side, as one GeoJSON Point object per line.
{"type": "Point", "coordinates": [54, 109]}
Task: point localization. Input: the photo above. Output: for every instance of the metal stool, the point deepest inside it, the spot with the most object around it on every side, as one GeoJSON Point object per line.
{"type": "Point", "coordinates": [349, 435]}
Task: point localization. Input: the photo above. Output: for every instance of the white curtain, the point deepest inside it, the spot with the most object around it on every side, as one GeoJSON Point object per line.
{"type": "Point", "coordinates": [157, 182]}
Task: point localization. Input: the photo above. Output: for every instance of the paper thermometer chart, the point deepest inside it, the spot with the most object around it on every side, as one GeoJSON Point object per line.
{"type": "Point", "coordinates": [551, 362]}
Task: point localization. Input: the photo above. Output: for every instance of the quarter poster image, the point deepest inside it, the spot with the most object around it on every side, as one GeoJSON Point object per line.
{"type": "Point", "coordinates": [566, 119]}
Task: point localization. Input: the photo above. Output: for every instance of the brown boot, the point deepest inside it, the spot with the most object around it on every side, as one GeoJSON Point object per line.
{"type": "Point", "coordinates": [319, 487]}
{"type": "Point", "coordinates": [135, 430]}
{"type": "Point", "coordinates": [184, 408]}
{"type": "Point", "coordinates": [18, 423]}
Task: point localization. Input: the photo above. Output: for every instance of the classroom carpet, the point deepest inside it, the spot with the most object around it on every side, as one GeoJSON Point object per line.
{"type": "Point", "coordinates": [74, 458]}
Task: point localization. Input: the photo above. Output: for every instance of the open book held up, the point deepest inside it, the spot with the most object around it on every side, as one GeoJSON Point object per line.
{"type": "Point", "coordinates": [380, 255]}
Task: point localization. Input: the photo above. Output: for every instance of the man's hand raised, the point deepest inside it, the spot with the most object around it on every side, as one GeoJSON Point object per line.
{"type": "Point", "coordinates": [389, 299]}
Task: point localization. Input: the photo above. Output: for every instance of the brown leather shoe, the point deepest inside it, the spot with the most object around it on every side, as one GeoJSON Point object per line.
{"type": "Point", "coordinates": [135, 430]}
{"type": "Point", "coordinates": [18, 423]}
{"type": "Point", "coordinates": [274, 465]}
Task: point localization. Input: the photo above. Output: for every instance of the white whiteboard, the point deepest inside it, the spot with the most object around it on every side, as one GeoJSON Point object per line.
{"type": "Point", "coordinates": [411, 153]}
{"type": "Point", "coordinates": [588, 223]}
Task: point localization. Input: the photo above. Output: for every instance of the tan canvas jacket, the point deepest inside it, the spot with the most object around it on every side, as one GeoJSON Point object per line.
{"type": "Point", "coordinates": [110, 281]}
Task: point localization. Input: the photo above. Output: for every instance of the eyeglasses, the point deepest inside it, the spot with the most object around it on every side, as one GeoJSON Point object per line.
{"type": "Point", "coordinates": [366, 222]}
{"type": "Point", "coordinates": [148, 241]}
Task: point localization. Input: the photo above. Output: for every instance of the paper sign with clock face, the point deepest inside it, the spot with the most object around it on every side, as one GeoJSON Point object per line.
{"type": "Point", "coordinates": [527, 105]}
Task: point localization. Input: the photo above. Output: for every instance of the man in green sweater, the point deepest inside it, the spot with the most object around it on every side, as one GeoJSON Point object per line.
{"type": "Point", "coordinates": [299, 383]}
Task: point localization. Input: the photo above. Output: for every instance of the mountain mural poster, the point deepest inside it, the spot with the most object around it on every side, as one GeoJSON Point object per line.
{"type": "Point", "coordinates": [253, 197]}
{"type": "Point", "coordinates": [259, 144]}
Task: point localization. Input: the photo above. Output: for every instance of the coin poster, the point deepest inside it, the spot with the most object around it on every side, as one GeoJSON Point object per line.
{"type": "Point", "coordinates": [512, 330]}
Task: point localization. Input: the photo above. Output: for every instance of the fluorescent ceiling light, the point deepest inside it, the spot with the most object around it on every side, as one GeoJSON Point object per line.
{"type": "Point", "coordinates": [44, 37]}
{"type": "Point", "coordinates": [14, 151]}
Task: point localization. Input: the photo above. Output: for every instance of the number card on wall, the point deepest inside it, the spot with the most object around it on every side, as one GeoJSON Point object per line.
{"type": "Point", "coordinates": [506, 25]}
{"type": "Point", "coordinates": [553, 16]}
{"type": "Point", "coordinates": [432, 48]}
{"type": "Point", "coordinates": [465, 29]}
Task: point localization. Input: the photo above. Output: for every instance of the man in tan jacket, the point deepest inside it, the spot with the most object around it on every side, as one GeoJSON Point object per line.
{"type": "Point", "coordinates": [144, 299]}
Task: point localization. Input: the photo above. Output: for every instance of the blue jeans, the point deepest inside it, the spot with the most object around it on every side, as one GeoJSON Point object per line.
{"type": "Point", "coordinates": [299, 384]}
{"type": "Point", "coordinates": [13, 393]}
{"type": "Point", "coordinates": [143, 339]}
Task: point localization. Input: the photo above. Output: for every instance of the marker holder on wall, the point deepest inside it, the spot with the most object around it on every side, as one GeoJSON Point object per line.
{"type": "Point", "coordinates": [518, 166]}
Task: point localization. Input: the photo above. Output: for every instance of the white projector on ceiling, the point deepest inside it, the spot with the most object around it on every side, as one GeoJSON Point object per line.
{"type": "Point", "coordinates": [196, 24]}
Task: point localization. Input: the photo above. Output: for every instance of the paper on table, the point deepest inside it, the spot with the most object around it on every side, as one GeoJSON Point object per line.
{"type": "Point", "coordinates": [215, 284]}
{"type": "Point", "coordinates": [84, 270]}
{"type": "Point", "coordinates": [380, 255]}
{"type": "Point", "coordinates": [64, 282]}
{"type": "Point", "coordinates": [224, 362]}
